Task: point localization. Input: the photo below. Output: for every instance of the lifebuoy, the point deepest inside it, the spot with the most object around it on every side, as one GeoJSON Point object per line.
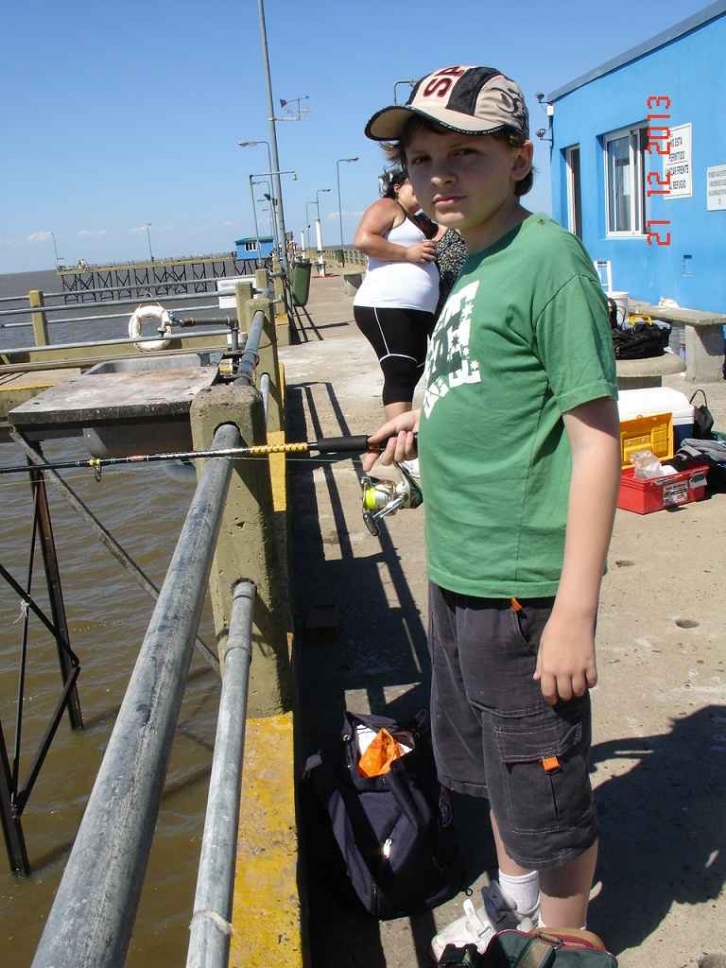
{"type": "Point", "coordinates": [163, 319]}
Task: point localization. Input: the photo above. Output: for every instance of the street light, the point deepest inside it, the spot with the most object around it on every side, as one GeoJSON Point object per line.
{"type": "Point", "coordinates": [253, 144]}
{"type": "Point", "coordinates": [148, 239]}
{"type": "Point", "coordinates": [278, 202]}
{"type": "Point", "coordinates": [274, 159]}
{"type": "Point", "coordinates": [411, 83]}
{"type": "Point", "coordinates": [266, 182]}
{"type": "Point", "coordinates": [319, 231]}
{"type": "Point", "coordinates": [58, 259]}
{"type": "Point", "coordinates": [308, 220]}
{"type": "Point", "coordinates": [340, 204]}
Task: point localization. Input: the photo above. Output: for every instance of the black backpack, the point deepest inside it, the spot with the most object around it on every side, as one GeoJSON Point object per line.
{"type": "Point", "coordinates": [395, 831]}
{"type": "Point", "coordinates": [639, 340]}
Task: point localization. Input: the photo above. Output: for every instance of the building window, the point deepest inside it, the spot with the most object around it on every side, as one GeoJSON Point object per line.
{"type": "Point", "coordinates": [250, 246]}
{"type": "Point", "coordinates": [574, 191]}
{"type": "Point", "coordinates": [624, 189]}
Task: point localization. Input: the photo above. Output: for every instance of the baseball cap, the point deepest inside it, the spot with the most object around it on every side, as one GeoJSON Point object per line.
{"type": "Point", "coordinates": [472, 100]}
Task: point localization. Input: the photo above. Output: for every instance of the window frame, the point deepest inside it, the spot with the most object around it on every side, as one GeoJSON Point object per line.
{"type": "Point", "coordinates": [636, 135]}
{"type": "Point", "coordinates": [574, 190]}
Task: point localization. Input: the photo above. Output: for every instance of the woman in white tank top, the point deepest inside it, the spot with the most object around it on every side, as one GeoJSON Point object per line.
{"type": "Point", "coordinates": [394, 306]}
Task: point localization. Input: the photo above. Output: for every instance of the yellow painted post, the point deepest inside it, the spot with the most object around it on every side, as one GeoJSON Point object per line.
{"type": "Point", "coordinates": [40, 324]}
{"type": "Point", "coordinates": [266, 907]}
{"type": "Point", "coordinates": [262, 280]}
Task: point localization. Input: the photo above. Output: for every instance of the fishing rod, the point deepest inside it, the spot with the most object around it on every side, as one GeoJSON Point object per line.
{"type": "Point", "coordinates": [328, 445]}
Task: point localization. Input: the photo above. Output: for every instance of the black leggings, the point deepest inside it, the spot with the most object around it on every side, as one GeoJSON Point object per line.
{"type": "Point", "coordinates": [399, 338]}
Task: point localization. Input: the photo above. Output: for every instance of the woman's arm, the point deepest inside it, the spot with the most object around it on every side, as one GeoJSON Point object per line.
{"type": "Point", "coordinates": [378, 219]}
{"type": "Point", "coordinates": [566, 661]}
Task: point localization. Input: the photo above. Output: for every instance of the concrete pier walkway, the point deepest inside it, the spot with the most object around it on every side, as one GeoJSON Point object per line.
{"type": "Point", "coordinates": [659, 750]}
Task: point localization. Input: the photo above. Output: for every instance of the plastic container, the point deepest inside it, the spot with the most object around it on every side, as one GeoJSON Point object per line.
{"type": "Point", "coordinates": [653, 400]}
{"type": "Point", "coordinates": [644, 497]}
{"type": "Point", "coordinates": [653, 433]}
{"type": "Point", "coordinates": [621, 303]}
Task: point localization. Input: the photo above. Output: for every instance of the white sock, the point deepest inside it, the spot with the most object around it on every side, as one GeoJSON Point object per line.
{"type": "Point", "coordinates": [541, 924]}
{"type": "Point", "coordinates": [522, 890]}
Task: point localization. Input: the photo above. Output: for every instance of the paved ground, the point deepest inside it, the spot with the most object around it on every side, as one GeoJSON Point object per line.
{"type": "Point", "coordinates": [659, 755]}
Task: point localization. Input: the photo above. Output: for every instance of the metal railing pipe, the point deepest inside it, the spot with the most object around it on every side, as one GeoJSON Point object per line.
{"type": "Point", "coordinates": [210, 926]}
{"type": "Point", "coordinates": [249, 359]}
{"type": "Point", "coordinates": [90, 923]}
{"type": "Point", "coordinates": [73, 307]}
{"type": "Point", "coordinates": [124, 341]}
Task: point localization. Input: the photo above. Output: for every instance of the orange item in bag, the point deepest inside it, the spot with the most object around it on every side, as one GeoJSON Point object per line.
{"type": "Point", "coordinates": [377, 759]}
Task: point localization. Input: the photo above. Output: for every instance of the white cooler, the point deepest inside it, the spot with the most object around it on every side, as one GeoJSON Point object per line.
{"type": "Point", "coordinates": [652, 400]}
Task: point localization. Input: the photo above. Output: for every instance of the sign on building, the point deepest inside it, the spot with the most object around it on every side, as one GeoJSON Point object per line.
{"type": "Point", "coordinates": [679, 163]}
{"type": "Point", "coordinates": [716, 188]}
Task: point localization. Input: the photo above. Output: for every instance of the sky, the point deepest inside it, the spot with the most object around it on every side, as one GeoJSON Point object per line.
{"type": "Point", "coordinates": [118, 116]}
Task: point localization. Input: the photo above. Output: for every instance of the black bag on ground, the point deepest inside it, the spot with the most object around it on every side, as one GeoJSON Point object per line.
{"type": "Point", "coordinates": [709, 453]}
{"type": "Point", "coordinates": [395, 831]}
{"type": "Point", "coordinates": [639, 340]}
{"type": "Point", "coordinates": [702, 418]}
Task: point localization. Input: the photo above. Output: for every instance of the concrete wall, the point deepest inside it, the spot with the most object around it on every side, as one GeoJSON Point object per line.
{"type": "Point", "coordinates": [690, 71]}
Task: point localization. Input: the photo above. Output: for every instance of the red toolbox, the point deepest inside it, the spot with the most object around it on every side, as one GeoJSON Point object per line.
{"type": "Point", "coordinates": [657, 493]}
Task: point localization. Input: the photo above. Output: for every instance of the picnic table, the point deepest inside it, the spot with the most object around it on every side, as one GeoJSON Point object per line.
{"type": "Point", "coordinates": [704, 337]}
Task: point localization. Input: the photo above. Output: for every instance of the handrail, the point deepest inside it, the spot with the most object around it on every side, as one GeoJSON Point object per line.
{"type": "Point", "coordinates": [210, 928]}
{"type": "Point", "coordinates": [73, 307]}
{"type": "Point", "coordinates": [90, 923]}
{"type": "Point", "coordinates": [248, 360]}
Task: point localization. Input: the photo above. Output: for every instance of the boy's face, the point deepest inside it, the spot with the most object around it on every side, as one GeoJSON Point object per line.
{"type": "Point", "coordinates": [466, 182]}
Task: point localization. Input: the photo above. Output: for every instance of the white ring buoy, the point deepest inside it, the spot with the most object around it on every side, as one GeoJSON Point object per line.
{"type": "Point", "coordinates": [158, 313]}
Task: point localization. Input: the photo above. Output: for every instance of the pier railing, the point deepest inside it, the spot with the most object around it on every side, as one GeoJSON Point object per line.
{"type": "Point", "coordinates": [229, 540]}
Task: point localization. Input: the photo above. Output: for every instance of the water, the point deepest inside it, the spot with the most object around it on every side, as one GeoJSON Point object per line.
{"type": "Point", "coordinates": [107, 617]}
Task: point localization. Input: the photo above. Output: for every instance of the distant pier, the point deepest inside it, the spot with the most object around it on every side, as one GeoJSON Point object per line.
{"type": "Point", "coordinates": [96, 283]}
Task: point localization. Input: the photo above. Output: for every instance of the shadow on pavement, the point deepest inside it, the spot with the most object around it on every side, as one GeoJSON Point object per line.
{"type": "Point", "coordinates": [662, 827]}
{"type": "Point", "coordinates": [377, 649]}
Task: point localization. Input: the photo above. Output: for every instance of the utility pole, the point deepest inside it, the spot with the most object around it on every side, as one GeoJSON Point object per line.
{"type": "Point", "coordinates": [340, 203]}
{"type": "Point", "coordinates": [275, 169]}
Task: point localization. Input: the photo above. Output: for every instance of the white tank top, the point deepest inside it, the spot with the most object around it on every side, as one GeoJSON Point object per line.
{"type": "Point", "coordinates": [400, 285]}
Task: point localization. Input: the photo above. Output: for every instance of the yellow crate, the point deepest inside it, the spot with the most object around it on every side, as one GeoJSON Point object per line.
{"type": "Point", "coordinates": [653, 433]}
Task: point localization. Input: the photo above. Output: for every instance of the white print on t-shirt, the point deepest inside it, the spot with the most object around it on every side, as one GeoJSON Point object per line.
{"type": "Point", "coordinates": [448, 364]}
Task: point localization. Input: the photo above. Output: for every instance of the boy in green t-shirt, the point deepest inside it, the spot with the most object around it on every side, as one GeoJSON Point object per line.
{"type": "Point", "coordinates": [518, 440]}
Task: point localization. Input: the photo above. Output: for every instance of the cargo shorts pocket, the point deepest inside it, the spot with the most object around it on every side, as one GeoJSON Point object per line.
{"type": "Point", "coordinates": [545, 770]}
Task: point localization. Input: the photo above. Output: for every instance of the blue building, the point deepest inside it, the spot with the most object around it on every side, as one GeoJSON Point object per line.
{"type": "Point", "coordinates": [639, 163]}
{"type": "Point", "coordinates": [247, 247]}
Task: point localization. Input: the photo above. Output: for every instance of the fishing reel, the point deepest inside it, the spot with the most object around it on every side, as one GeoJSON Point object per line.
{"type": "Point", "coordinates": [381, 498]}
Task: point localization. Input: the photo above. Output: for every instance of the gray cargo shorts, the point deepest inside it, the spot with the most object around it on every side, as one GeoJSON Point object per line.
{"type": "Point", "coordinates": [494, 735]}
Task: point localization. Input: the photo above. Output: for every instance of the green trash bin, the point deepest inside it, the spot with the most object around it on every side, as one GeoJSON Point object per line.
{"type": "Point", "coordinates": [301, 271]}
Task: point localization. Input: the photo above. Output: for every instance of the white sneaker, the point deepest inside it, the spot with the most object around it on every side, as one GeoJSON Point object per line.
{"type": "Point", "coordinates": [478, 926]}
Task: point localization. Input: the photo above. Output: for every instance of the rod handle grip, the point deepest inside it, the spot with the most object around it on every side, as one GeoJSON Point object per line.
{"type": "Point", "coordinates": [343, 445]}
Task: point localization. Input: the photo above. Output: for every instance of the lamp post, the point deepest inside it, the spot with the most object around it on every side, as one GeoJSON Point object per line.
{"type": "Point", "coordinates": [411, 83]}
{"type": "Point", "coordinates": [253, 144]}
{"type": "Point", "coordinates": [254, 216]}
{"type": "Point", "coordinates": [309, 222]}
{"type": "Point", "coordinates": [319, 230]}
{"type": "Point", "coordinates": [148, 239]}
{"type": "Point", "coordinates": [267, 183]}
{"type": "Point", "coordinates": [274, 159]}
{"type": "Point", "coordinates": [340, 204]}
{"type": "Point", "coordinates": [58, 259]}
{"type": "Point", "coordinates": [278, 202]}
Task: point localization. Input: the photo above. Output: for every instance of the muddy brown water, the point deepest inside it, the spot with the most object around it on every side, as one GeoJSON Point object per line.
{"type": "Point", "coordinates": [107, 616]}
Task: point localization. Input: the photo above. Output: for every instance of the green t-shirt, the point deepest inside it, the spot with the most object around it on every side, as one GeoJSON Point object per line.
{"type": "Point", "coordinates": [524, 337]}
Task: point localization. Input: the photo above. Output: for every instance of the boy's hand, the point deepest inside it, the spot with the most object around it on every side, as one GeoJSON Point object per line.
{"type": "Point", "coordinates": [401, 445]}
{"type": "Point", "coordinates": [566, 660]}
